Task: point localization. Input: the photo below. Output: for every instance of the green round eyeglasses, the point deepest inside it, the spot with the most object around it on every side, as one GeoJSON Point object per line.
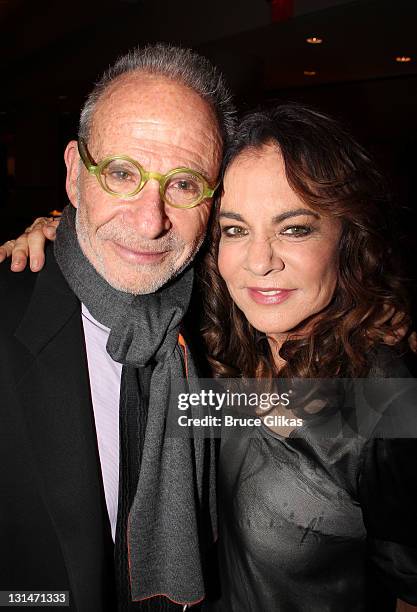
{"type": "Point", "coordinates": [123, 177]}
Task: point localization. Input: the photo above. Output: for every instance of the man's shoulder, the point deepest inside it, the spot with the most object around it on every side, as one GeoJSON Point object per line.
{"type": "Point", "coordinates": [17, 288]}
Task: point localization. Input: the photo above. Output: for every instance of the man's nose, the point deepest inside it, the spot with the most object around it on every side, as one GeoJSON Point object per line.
{"type": "Point", "coordinates": [263, 257]}
{"type": "Point", "coordinates": [147, 212]}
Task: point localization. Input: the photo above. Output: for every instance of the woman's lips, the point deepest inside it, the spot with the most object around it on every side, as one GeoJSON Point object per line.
{"type": "Point", "coordinates": [138, 257]}
{"type": "Point", "coordinates": [269, 295]}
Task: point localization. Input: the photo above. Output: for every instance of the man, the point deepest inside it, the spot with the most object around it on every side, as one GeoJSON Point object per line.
{"type": "Point", "coordinates": [92, 343]}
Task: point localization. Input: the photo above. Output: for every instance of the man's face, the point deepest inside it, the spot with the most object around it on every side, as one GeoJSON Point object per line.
{"type": "Point", "coordinates": [138, 244]}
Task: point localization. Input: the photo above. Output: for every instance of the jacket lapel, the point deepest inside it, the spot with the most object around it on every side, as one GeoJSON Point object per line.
{"type": "Point", "coordinates": [55, 396]}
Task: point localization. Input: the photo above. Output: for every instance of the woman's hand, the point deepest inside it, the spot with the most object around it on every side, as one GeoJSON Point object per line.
{"type": "Point", "coordinates": [30, 244]}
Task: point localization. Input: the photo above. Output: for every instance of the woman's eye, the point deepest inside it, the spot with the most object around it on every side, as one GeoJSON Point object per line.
{"type": "Point", "coordinates": [298, 231]}
{"type": "Point", "coordinates": [232, 231]}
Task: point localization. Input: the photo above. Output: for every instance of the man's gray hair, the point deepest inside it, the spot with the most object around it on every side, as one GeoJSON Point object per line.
{"type": "Point", "coordinates": [182, 65]}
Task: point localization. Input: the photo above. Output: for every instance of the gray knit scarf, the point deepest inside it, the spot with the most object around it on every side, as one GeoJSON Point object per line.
{"type": "Point", "coordinates": [175, 488]}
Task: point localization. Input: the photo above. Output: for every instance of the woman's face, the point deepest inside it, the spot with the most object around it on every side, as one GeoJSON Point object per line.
{"type": "Point", "coordinates": [278, 257]}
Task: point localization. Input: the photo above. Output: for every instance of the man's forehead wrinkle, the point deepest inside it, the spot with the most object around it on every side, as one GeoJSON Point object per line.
{"type": "Point", "coordinates": [157, 117]}
{"type": "Point", "coordinates": [157, 136]}
{"type": "Point", "coordinates": [155, 92]}
{"type": "Point", "coordinates": [168, 160]}
{"type": "Point", "coordinates": [155, 96]}
{"type": "Point", "coordinates": [191, 135]}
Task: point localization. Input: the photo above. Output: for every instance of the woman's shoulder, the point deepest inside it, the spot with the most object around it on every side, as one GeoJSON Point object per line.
{"type": "Point", "coordinates": [392, 362]}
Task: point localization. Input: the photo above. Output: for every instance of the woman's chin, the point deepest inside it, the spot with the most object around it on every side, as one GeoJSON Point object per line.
{"type": "Point", "coordinates": [272, 331]}
{"type": "Point", "coordinates": [273, 328]}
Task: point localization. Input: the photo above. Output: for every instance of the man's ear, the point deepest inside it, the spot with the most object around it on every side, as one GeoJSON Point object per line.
{"type": "Point", "coordinates": [72, 162]}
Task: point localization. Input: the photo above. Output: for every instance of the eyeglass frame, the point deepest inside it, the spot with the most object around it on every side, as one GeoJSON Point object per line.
{"type": "Point", "coordinates": [95, 169]}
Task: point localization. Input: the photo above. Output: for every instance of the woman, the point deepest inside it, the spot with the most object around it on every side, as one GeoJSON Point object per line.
{"type": "Point", "coordinates": [299, 283]}
{"type": "Point", "coordinates": [299, 275]}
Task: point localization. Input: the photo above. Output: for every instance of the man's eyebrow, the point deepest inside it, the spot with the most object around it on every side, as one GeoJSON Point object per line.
{"type": "Point", "coordinates": [193, 167]}
{"type": "Point", "coordinates": [277, 219]}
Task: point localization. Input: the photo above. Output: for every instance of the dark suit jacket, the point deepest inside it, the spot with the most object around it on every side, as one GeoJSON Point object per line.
{"type": "Point", "coordinates": [54, 528]}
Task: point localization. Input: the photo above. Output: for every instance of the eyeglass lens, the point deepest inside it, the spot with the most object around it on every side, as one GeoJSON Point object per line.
{"type": "Point", "coordinates": [121, 176]}
{"type": "Point", "coordinates": [181, 188]}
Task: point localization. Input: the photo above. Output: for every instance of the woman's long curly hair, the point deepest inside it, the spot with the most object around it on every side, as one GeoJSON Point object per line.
{"type": "Point", "coordinates": [333, 175]}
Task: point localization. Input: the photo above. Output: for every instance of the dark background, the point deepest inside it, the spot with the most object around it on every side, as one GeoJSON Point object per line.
{"type": "Point", "coordinates": [51, 53]}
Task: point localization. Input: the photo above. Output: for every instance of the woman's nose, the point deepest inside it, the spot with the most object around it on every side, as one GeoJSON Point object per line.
{"type": "Point", "coordinates": [263, 257]}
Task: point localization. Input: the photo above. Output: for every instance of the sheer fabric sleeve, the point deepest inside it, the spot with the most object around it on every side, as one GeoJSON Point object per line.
{"type": "Point", "coordinates": [387, 486]}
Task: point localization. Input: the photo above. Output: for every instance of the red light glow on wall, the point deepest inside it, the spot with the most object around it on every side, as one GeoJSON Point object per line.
{"type": "Point", "coordinates": [281, 10]}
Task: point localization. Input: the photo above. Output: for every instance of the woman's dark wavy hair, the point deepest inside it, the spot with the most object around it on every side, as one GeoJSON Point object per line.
{"type": "Point", "coordinates": [333, 175]}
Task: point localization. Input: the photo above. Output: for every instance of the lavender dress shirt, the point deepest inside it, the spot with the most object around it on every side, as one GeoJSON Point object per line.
{"type": "Point", "coordinates": [105, 376]}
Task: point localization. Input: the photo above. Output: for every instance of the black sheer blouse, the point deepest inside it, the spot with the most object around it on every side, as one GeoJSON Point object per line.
{"type": "Point", "coordinates": [316, 525]}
